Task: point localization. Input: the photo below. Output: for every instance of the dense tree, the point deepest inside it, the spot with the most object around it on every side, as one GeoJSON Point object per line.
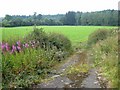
{"type": "Point", "coordinates": [78, 18]}
{"type": "Point", "coordinates": [98, 18]}
{"type": "Point", "coordinates": [8, 17]}
{"type": "Point", "coordinates": [70, 18]}
{"type": "Point", "coordinates": [39, 17]}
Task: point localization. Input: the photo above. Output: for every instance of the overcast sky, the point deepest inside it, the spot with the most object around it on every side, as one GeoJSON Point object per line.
{"type": "Point", "coordinates": [28, 7]}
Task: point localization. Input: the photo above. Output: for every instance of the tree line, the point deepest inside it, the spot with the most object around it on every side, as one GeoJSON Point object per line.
{"type": "Point", "coordinates": [97, 18]}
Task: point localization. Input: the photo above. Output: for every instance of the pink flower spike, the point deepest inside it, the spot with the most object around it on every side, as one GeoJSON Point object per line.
{"type": "Point", "coordinates": [3, 46]}
{"type": "Point", "coordinates": [12, 51]}
{"type": "Point", "coordinates": [19, 48]}
{"type": "Point", "coordinates": [7, 47]}
{"type": "Point", "coordinates": [18, 43]}
{"type": "Point", "coordinates": [13, 47]}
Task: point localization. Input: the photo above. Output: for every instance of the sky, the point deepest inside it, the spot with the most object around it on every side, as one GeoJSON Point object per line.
{"type": "Point", "coordinates": [28, 7]}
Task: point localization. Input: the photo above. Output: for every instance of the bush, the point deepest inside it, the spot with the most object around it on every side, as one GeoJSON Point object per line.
{"type": "Point", "coordinates": [39, 36]}
{"type": "Point", "coordinates": [60, 42]}
{"type": "Point", "coordinates": [97, 36]}
{"type": "Point", "coordinates": [49, 41]}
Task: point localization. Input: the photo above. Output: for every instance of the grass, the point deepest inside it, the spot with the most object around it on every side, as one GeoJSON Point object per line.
{"type": "Point", "coordinates": [81, 66]}
{"type": "Point", "coordinates": [78, 71]}
{"type": "Point", "coordinates": [76, 34]}
{"type": "Point", "coordinates": [105, 55]}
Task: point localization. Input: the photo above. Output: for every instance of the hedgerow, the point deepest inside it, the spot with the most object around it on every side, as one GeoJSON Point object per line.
{"type": "Point", "coordinates": [28, 62]}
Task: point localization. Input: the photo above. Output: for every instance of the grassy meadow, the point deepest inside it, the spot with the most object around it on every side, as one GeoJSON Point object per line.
{"type": "Point", "coordinates": [75, 33]}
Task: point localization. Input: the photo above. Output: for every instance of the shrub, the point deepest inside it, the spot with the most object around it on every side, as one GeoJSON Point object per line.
{"type": "Point", "coordinates": [49, 41]}
{"type": "Point", "coordinates": [39, 36]}
{"type": "Point", "coordinates": [97, 36]}
{"type": "Point", "coordinates": [60, 42]}
{"type": "Point", "coordinates": [52, 41]}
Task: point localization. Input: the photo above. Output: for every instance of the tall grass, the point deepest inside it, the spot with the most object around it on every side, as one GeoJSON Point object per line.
{"type": "Point", "coordinates": [105, 55]}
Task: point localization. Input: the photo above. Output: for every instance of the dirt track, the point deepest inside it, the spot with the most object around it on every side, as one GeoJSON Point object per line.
{"type": "Point", "coordinates": [58, 81]}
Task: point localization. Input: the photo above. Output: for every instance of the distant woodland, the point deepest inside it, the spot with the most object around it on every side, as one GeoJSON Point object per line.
{"type": "Point", "coordinates": [98, 18]}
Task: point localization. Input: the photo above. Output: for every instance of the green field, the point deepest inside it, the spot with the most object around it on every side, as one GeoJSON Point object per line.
{"type": "Point", "coordinates": [75, 33]}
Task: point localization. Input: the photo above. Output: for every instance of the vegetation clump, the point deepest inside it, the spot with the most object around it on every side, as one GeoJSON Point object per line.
{"type": "Point", "coordinates": [49, 41]}
{"type": "Point", "coordinates": [105, 57]}
{"type": "Point", "coordinates": [26, 63]}
{"type": "Point", "coordinates": [60, 41]}
{"type": "Point", "coordinates": [97, 36]}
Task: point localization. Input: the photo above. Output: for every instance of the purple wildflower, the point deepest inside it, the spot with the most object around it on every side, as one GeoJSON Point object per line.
{"type": "Point", "coordinates": [13, 48]}
{"type": "Point", "coordinates": [3, 46]}
{"type": "Point", "coordinates": [7, 47]}
{"type": "Point", "coordinates": [18, 43]}
{"type": "Point", "coordinates": [18, 48]}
